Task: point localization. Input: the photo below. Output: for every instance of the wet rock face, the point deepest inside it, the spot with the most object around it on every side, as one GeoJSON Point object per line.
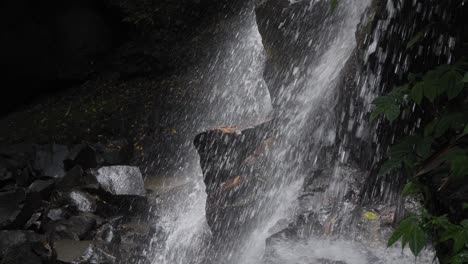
{"type": "Point", "coordinates": [289, 34]}
{"type": "Point", "coordinates": [86, 216]}
{"type": "Point", "coordinates": [231, 165]}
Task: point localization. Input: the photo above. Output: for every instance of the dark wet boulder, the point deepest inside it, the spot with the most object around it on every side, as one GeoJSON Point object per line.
{"type": "Point", "coordinates": [11, 238]}
{"type": "Point", "coordinates": [42, 187]}
{"type": "Point", "coordinates": [5, 176]}
{"type": "Point", "coordinates": [231, 161]}
{"type": "Point", "coordinates": [81, 201]}
{"type": "Point", "coordinates": [106, 233]}
{"type": "Point", "coordinates": [24, 212]}
{"type": "Point", "coordinates": [10, 205]}
{"type": "Point", "coordinates": [23, 177]}
{"type": "Point", "coordinates": [133, 238]}
{"type": "Point", "coordinates": [83, 155]}
{"type": "Point", "coordinates": [75, 228]}
{"type": "Point", "coordinates": [21, 254]}
{"type": "Point", "coordinates": [34, 222]}
{"type": "Point", "coordinates": [16, 208]}
{"type": "Point", "coordinates": [75, 178]}
{"type": "Point", "coordinates": [49, 159]}
{"type": "Point", "coordinates": [56, 214]}
{"type": "Point", "coordinates": [121, 180]}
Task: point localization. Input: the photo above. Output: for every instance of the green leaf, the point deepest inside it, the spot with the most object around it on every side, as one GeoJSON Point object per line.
{"type": "Point", "coordinates": [386, 105]}
{"type": "Point", "coordinates": [416, 240]}
{"type": "Point", "coordinates": [441, 222]}
{"type": "Point", "coordinates": [410, 188]}
{"type": "Point", "coordinates": [389, 166]}
{"type": "Point", "coordinates": [334, 4]}
{"type": "Point", "coordinates": [417, 92]}
{"type": "Point", "coordinates": [465, 78]}
{"type": "Point", "coordinates": [431, 86]}
{"type": "Point", "coordinates": [375, 114]}
{"type": "Point", "coordinates": [397, 234]}
{"type": "Point", "coordinates": [429, 128]}
{"type": "Point", "coordinates": [451, 81]}
{"type": "Point", "coordinates": [423, 147]}
{"type": "Point", "coordinates": [449, 121]}
{"type": "Point", "coordinates": [460, 258]}
{"type": "Point", "coordinates": [415, 39]}
{"type": "Point", "coordinates": [458, 164]}
{"type": "Point", "coordinates": [404, 148]}
{"type": "Point", "coordinates": [465, 130]}
{"type": "Point", "coordinates": [430, 92]}
{"type": "Point", "coordinates": [392, 112]}
{"type": "Point", "coordinates": [410, 233]}
{"type": "Point", "coordinates": [459, 241]}
{"type": "Point", "coordinates": [399, 92]}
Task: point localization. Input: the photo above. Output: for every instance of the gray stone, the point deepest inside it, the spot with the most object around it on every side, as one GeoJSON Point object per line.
{"type": "Point", "coordinates": [49, 159]}
{"type": "Point", "coordinates": [55, 214]}
{"type": "Point", "coordinates": [82, 201]}
{"type": "Point", "coordinates": [75, 228]}
{"type": "Point", "coordinates": [10, 238]}
{"type": "Point", "coordinates": [121, 180]}
{"type": "Point", "coordinates": [21, 254]}
{"type": "Point", "coordinates": [81, 224]}
{"type": "Point", "coordinates": [76, 177]}
{"type": "Point", "coordinates": [10, 204]}
{"type": "Point", "coordinates": [83, 155]}
{"type": "Point", "coordinates": [42, 187]}
{"type": "Point", "coordinates": [33, 221]}
{"type": "Point", "coordinates": [106, 233]}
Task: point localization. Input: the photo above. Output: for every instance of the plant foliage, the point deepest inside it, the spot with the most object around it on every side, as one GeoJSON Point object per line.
{"type": "Point", "coordinates": [435, 150]}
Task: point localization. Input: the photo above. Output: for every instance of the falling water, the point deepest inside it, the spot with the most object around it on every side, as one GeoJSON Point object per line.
{"type": "Point", "coordinates": [229, 90]}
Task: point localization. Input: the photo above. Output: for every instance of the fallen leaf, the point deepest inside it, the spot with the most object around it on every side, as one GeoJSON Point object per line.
{"type": "Point", "coordinates": [228, 185]}
{"type": "Point", "coordinates": [227, 129]}
{"type": "Point", "coordinates": [370, 215]}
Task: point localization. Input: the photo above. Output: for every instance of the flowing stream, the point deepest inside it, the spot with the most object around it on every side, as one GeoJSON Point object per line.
{"type": "Point", "coordinates": [229, 90]}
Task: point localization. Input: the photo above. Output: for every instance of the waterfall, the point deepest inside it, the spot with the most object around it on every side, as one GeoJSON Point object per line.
{"type": "Point", "coordinates": [228, 90]}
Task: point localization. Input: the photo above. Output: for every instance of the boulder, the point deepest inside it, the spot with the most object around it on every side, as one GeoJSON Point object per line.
{"type": "Point", "coordinates": [106, 233]}
{"type": "Point", "coordinates": [76, 177]}
{"type": "Point", "coordinates": [24, 212]}
{"type": "Point", "coordinates": [56, 214]}
{"type": "Point", "coordinates": [82, 201]}
{"type": "Point", "coordinates": [42, 187]}
{"type": "Point", "coordinates": [11, 238]}
{"type": "Point", "coordinates": [10, 204]}
{"type": "Point", "coordinates": [49, 159]}
{"type": "Point", "coordinates": [5, 175]}
{"type": "Point", "coordinates": [121, 180]}
{"type": "Point", "coordinates": [83, 155]}
{"type": "Point", "coordinates": [34, 222]}
{"type": "Point", "coordinates": [21, 254]}
{"type": "Point", "coordinates": [23, 177]}
{"type": "Point", "coordinates": [231, 161]}
{"type": "Point", "coordinates": [75, 228]}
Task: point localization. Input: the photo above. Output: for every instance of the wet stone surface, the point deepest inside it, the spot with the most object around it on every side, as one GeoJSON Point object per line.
{"type": "Point", "coordinates": [87, 214]}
